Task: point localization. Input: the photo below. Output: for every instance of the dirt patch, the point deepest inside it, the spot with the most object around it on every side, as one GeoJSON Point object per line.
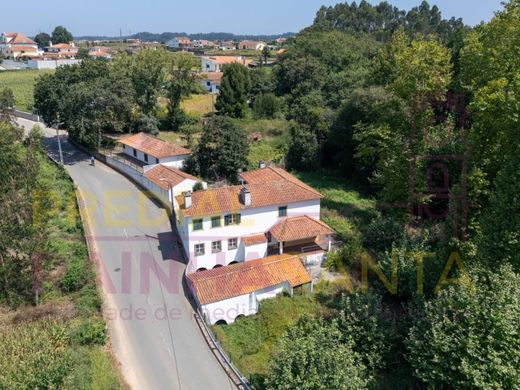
{"type": "Point", "coordinates": [62, 310]}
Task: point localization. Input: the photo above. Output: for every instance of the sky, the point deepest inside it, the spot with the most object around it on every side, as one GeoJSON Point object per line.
{"type": "Point", "coordinates": [107, 17]}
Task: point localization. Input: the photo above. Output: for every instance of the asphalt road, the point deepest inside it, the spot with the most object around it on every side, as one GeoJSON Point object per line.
{"type": "Point", "coordinates": [153, 332]}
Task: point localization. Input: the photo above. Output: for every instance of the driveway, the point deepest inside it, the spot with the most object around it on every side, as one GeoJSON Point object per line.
{"type": "Point", "coordinates": [153, 332]}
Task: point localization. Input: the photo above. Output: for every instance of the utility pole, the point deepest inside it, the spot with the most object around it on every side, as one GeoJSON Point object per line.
{"type": "Point", "coordinates": [57, 124]}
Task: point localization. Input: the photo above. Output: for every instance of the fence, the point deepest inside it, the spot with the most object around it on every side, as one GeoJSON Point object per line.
{"type": "Point", "coordinates": [137, 176]}
{"type": "Point", "coordinates": [26, 115]}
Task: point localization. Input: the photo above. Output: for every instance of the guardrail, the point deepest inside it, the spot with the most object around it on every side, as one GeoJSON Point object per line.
{"type": "Point", "coordinates": [230, 368]}
{"type": "Point", "coordinates": [26, 115]}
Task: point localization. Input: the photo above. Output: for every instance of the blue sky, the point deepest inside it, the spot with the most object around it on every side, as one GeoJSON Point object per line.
{"type": "Point", "coordinates": [106, 17]}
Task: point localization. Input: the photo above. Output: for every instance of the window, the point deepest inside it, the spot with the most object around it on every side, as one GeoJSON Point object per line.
{"type": "Point", "coordinates": [145, 157]}
{"type": "Point", "coordinates": [216, 222]}
{"type": "Point", "coordinates": [156, 160]}
{"type": "Point", "coordinates": [282, 211]}
{"type": "Point", "coordinates": [232, 219]}
{"type": "Point", "coordinates": [216, 246]}
{"type": "Point", "coordinates": [197, 224]}
{"type": "Point", "coordinates": [232, 243]}
{"type": "Point", "coordinates": [135, 152]}
{"type": "Point", "coordinates": [199, 249]}
{"type": "Point", "coordinates": [208, 83]}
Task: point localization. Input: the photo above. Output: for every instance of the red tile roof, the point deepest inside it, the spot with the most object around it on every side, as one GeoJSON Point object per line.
{"type": "Point", "coordinates": [154, 146]}
{"type": "Point", "coordinates": [234, 280]}
{"type": "Point", "coordinates": [254, 239]}
{"type": "Point", "coordinates": [299, 228]}
{"type": "Point", "coordinates": [21, 48]}
{"type": "Point", "coordinates": [170, 175]}
{"type": "Point", "coordinates": [19, 39]}
{"type": "Point", "coordinates": [215, 77]}
{"type": "Point", "coordinates": [277, 188]}
{"type": "Point", "coordinates": [273, 174]}
{"type": "Point", "coordinates": [228, 60]}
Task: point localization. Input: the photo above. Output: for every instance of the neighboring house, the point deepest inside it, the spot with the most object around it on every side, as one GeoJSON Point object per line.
{"type": "Point", "coordinates": [211, 81]}
{"type": "Point", "coordinates": [251, 45]}
{"type": "Point", "coordinates": [62, 49]}
{"type": "Point", "coordinates": [171, 179]}
{"type": "Point", "coordinates": [16, 45]}
{"type": "Point", "coordinates": [272, 212]}
{"type": "Point", "coordinates": [215, 63]}
{"type": "Point", "coordinates": [227, 45]}
{"type": "Point", "coordinates": [100, 52]}
{"type": "Point", "coordinates": [179, 43]}
{"type": "Point", "coordinates": [150, 150]}
{"type": "Point", "coordinates": [225, 293]}
{"type": "Point", "coordinates": [200, 43]}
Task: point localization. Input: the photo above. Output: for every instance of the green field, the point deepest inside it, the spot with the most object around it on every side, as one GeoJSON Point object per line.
{"type": "Point", "coordinates": [21, 82]}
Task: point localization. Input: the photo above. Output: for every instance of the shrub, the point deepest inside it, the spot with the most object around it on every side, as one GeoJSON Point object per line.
{"type": "Point", "coordinates": [90, 332]}
{"type": "Point", "coordinates": [266, 106]}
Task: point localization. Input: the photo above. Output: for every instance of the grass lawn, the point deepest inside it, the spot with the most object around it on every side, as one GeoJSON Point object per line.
{"type": "Point", "coordinates": [21, 82]}
{"type": "Point", "coordinates": [345, 205]}
{"type": "Point", "coordinates": [251, 341]}
{"type": "Point", "coordinates": [199, 104]}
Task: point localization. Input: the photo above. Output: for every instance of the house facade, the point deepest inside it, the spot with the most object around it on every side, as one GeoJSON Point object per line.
{"type": "Point", "coordinates": [226, 293]}
{"type": "Point", "coordinates": [233, 224]}
{"type": "Point", "coordinates": [149, 150]}
{"type": "Point", "coordinates": [16, 45]}
{"type": "Point", "coordinates": [216, 63]}
{"type": "Point", "coordinates": [180, 43]}
{"type": "Point", "coordinates": [62, 50]}
{"type": "Point", "coordinates": [211, 81]}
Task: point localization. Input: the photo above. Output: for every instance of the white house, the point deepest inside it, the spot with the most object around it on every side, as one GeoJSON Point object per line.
{"type": "Point", "coordinates": [211, 81]}
{"type": "Point", "coordinates": [215, 63]}
{"type": "Point", "coordinates": [15, 45]}
{"type": "Point", "coordinates": [171, 179]}
{"type": "Point", "coordinates": [225, 293]}
{"type": "Point", "coordinates": [179, 43]}
{"type": "Point", "coordinates": [68, 50]}
{"type": "Point", "coordinates": [151, 151]}
{"type": "Point", "coordinates": [272, 212]}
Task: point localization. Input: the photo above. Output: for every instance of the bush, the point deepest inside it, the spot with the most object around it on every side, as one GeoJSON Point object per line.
{"type": "Point", "coordinates": [74, 277]}
{"type": "Point", "coordinates": [90, 332]}
{"type": "Point", "coordinates": [267, 106]}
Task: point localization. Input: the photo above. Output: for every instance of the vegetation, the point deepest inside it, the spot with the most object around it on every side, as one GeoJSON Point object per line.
{"type": "Point", "coordinates": [376, 95]}
{"type": "Point", "coordinates": [22, 82]}
{"type": "Point", "coordinates": [61, 35]}
{"type": "Point", "coordinates": [52, 333]}
{"type": "Point", "coordinates": [234, 90]}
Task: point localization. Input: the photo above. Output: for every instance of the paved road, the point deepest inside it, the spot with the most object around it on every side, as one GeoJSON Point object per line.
{"type": "Point", "coordinates": [153, 331]}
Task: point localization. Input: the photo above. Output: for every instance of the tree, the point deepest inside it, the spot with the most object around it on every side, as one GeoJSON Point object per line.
{"type": "Point", "coordinates": [61, 35]}
{"type": "Point", "coordinates": [234, 91]}
{"type": "Point", "coordinates": [467, 337]}
{"type": "Point", "coordinates": [6, 103]}
{"type": "Point", "coordinates": [266, 106]}
{"type": "Point", "coordinates": [148, 124]}
{"type": "Point", "coordinates": [222, 150]}
{"type": "Point", "coordinates": [311, 356]}
{"type": "Point", "coordinates": [83, 53]}
{"type": "Point", "coordinates": [265, 54]}
{"type": "Point", "coordinates": [182, 81]}
{"type": "Point", "coordinates": [43, 40]}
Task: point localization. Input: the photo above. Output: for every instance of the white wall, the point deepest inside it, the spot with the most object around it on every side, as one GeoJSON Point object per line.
{"type": "Point", "coordinates": [253, 221]}
{"type": "Point", "coordinates": [174, 161]}
{"type": "Point", "coordinates": [229, 309]}
{"type": "Point", "coordinates": [50, 64]}
{"type": "Point", "coordinates": [255, 251]}
{"type": "Point", "coordinates": [209, 65]}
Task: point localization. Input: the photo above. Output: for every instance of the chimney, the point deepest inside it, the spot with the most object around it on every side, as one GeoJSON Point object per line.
{"type": "Point", "coordinates": [245, 196]}
{"type": "Point", "coordinates": [262, 164]}
{"type": "Point", "coordinates": [187, 199]}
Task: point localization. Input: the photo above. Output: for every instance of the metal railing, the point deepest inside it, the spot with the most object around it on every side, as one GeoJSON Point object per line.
{"type": "Point", "coordinates": [230, 368]}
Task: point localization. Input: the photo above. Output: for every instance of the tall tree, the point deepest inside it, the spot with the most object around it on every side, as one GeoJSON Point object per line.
{"type": "Point", "coordinates": [222, 150]}
{"type": "Point", "coordinates": [6, 103]}
{"type": "Point", "coordinates": [61, 35]}
{"type": "Point", "coordinates": [234, 91]}
{"type": "Point", "coordinates": [42, 39]}
{"type": "Point", "coordinates": [312, 356]}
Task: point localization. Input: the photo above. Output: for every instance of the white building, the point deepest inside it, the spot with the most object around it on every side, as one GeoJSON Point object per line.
{"type": "Point", "coordinates": [272, 212]}
{"type": "Point", "coordinates": [149, 150]}
{"type": "Point", "coordinates": [215, 63]}
{"type": "Point", "coordinates": [211, 81]}
{"type": "Point", "coordinates": [251, 45]}
{"type": "Point", "coordinates": [17, 45]}
{"type": "Point", "coordinates": [225, 293]}
{"type": "Point", "coordinates": [179, 43]}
